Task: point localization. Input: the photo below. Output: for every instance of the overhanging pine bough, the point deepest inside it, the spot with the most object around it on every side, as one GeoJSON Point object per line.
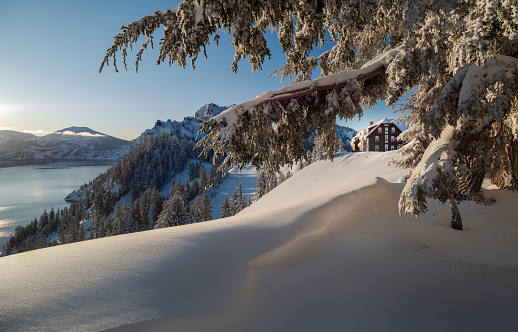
{"type": "Point", "coordinates": [460, 55]}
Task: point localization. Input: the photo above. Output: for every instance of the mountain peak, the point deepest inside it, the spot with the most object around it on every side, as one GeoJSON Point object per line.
{"type": "Point", "coordinates": [209, 110]}
{"type": "Point", "coordinates": [78, 131]}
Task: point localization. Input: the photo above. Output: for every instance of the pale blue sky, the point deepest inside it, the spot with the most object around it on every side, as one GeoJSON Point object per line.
{"type": "Point", "coordinates": [49, 59]}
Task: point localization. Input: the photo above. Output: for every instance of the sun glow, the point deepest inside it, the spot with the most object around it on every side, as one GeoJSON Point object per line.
{"type": "Point", "coordinates": [5, 109]}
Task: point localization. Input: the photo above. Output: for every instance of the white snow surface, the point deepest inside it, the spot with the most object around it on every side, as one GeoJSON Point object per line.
{"type": "Point", "coordinates": [326, 250]}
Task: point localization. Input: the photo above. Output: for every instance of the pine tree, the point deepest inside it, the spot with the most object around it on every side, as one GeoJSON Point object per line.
{"type": "Point", "coordinates": [237, 201]}
{"type": "Point", "coordinates": [272, 181]}
{"type": "Point", "coordinates": [319, 150]}
{"type": "Point", "coordinates": [457, 59]}
{"type": "Point", "coordinates": [196, 210]}
{"type": "Point", "coordinates": [203, 178]}
{"type": "Point", "coordinates": [281, 178]}
{"type": "Point", "coordinates": [339, 145]}
{"type": "Point", "coordinates": [261, 185]}
{"type": "Point", "coordinates": [206, 208]}
{"type": "Point", "coordinates": [173, 214]}
{"type": "Point", "coordinates": [193, 171]}
{"type": "Point", "coordinates": [82, 233]}
{"type": "Point", "coordinates": [52, 214]}
{"type": "Point", "coordinates": [226, 210]}
{"type": "Point", "coordinates": [176, 188]}
{"type": "Point", "coordinates": [195, 189]}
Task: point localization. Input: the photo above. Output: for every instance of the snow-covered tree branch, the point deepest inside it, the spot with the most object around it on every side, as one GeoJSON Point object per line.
{"type": "Point", "coordinates": [267, 131]}
{"type": "Point", "coordinates": [458, 59]}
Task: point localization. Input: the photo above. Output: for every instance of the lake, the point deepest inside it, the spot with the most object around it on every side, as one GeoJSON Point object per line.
{"type": "Point", "coordinates": [28, 187]}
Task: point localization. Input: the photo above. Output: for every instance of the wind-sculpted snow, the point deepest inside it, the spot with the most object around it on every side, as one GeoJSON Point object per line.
{"type": "Point", "coordinates": [326, 250]}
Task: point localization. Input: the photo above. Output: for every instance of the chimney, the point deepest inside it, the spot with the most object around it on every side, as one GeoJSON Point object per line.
{"type": "Point", "coordinates": [371, 123]}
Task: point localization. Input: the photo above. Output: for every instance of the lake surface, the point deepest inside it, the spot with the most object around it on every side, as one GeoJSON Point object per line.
{"type": "Point", "coordinates": [29, 187]}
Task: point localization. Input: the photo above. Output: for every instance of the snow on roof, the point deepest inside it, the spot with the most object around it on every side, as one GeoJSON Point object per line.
{"type": "Point", "coordinates": [362, 135]}
{"type": "Point", "coordinates": [231, 115]}
{"type": "Point", "coordinates": [402, 126]}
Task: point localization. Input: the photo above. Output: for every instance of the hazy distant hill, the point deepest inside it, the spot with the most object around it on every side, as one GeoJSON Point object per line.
{"type": "Point", "coordinates": [72, 143]}
{"type": "Point", "coordinates": [13, 135]}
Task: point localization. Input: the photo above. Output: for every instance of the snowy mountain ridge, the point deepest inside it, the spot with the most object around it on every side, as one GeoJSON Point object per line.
{"type": "Point", "coordinates": [209, 110]}
{"type": "Point", "coordinates": [188, 127]}
{"type": "Point", "coordinates": [70, 143]}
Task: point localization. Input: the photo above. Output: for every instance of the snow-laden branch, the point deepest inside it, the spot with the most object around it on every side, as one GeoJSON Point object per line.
{"type": "Point", "coordinates": [470, 126]}
{"type": "Point", "coordinates": [268, 130]}
{"type": "Point", "coordinates": [427, 178]}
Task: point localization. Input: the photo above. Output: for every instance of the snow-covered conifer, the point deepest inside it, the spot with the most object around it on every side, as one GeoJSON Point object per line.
{"type": "Point", "coordinates": [281, 177]}
{"type": "Point", "coordinates": [203, 178]}
{"type": "Point", "coordinates": [457, 59]}
{"type": "Point", "coordinates": [226, 210]}
{"type": "Point", "coordinates": [206, 208]}
{"type": "Point", "coordinates": [261, 185]}
{"type": "Point", "coordinates": [196, 210]}
{"type": "Point", "coordinates": [173, 214]}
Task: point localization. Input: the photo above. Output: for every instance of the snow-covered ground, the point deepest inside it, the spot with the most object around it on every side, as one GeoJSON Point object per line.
{"type": "Point", "coordinates": [324, 251]}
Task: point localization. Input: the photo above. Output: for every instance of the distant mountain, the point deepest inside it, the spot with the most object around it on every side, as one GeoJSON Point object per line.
{"type": "Point", "coordinates": [209, 110]}
{"type": "Point", "coordinates": [70, 143]}
{"type": "Point", "coordinates": [346, 134]}
{"type": "Point", "coordinates": [14, 135]}
{"type": "Point", "coordinates": [75, 133]}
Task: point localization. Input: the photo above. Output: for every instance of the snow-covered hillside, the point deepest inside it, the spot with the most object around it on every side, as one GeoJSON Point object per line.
{"type": "Point", "coordinates": [324, 251]}
{"type": "Point", "coordinates": [346, 134]}
{"type": "Point", "coordinates": [71, 143]}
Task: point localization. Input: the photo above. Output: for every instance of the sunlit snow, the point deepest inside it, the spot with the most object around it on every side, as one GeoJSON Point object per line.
{"type": "Point", "coordinates": [326, 250]}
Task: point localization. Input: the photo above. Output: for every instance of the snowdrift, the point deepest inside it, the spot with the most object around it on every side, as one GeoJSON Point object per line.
{"type": "Point", "coordinates": [326, 250]}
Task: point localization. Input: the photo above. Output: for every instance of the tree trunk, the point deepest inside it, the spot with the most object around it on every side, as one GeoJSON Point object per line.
{"type": "Point", "coordinates": [456, 220]}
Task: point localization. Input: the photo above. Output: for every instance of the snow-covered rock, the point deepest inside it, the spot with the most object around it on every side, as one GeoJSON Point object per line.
{"type": "Point", "coordinates": [188, 127]}
{"type": "Point", "coordinates": [209, 110]}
